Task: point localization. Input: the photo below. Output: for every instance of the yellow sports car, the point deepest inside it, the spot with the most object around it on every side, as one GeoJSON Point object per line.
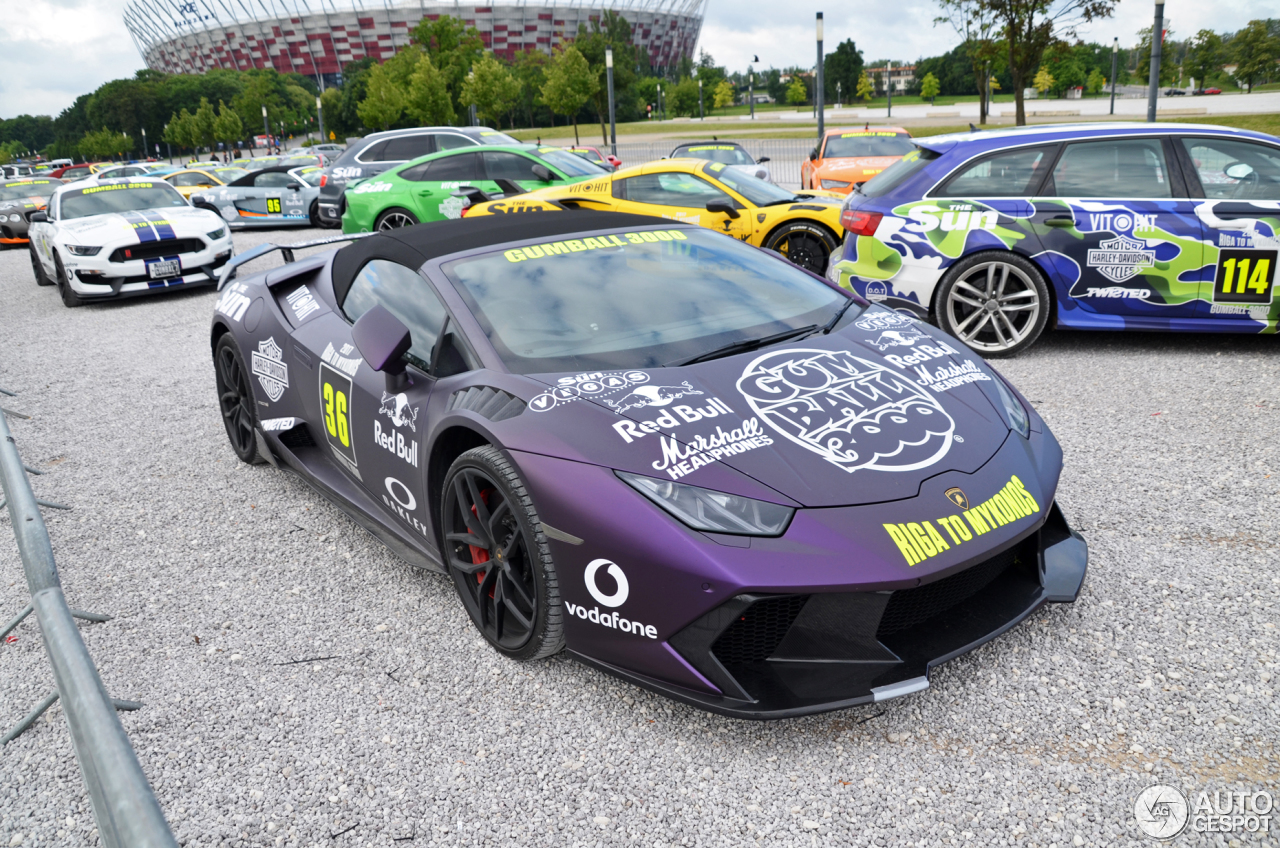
{"type": "Point", "coordinates": [190, 181]}
{"type": "Point", "coordinates": [803, 227]}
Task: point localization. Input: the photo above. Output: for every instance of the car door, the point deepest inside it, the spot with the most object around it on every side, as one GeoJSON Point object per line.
{"type": "Point", "coordinates": [265, 199]}
{"type": "Point", "coordinates": [1125, 221]}
{"type": "Point", "coordinates": [435, 183]}
{"type": "Point", "coordinates": [681, 196]}
{"type": "Point", "coordinates": [1237, 184]}
{"type": "Point", "coordinates": [513, 168]}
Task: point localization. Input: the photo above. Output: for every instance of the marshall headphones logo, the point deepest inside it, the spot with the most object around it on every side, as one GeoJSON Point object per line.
{"type": "Point", "coordinates": [957, 497]}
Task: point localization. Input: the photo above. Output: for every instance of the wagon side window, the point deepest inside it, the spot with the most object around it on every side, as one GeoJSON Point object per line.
{"type": "Point", "coordinates": [1009, 173]}
{"type": "Point", "coordinates": [1133, 168]}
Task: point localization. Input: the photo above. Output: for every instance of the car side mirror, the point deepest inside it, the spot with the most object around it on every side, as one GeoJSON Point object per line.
{"type": "Point", "coordinates": [295, 188]}
{"type": "Point", "coordinates": [542, 173]}
{"type": "Point", "coordinates": [722, 205]}
{"type": "Point", "coordinates": [38, 218]}
{"type": "Point", "coordinates": [813, 155]}
{"type": "Point", "coordinates": [383, 340]}
{"type": "Point", "coordinates": [1239, 170]}
{"type": "Point", "coordinates": [762, 160]}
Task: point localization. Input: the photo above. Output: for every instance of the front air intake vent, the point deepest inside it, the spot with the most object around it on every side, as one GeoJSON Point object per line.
{"type": "Point", "coordinates": [910, 607]}
{"type": "Point", "coordinates": [487, 402]}
{"type": "Point", "coordinates": [758, 631]}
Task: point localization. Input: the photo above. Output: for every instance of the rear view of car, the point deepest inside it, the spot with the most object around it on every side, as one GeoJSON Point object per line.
{"type": "Point", "coordinates": [848, 157]}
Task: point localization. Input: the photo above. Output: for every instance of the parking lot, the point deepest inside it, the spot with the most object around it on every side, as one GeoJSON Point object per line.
{"type": "Point", "coordinates": [303, 686]}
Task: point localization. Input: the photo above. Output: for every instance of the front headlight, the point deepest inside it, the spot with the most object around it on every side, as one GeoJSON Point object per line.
{"type": "Point", "coordinates": [15, 218]}
{"type": "Point", "coordinates": [834, 183]}
{"type": "Point", "coordinates": [217, 234]}
{"type": "Point", "coordinates": [1019, 421]}
{"type": "Point", "coordinates": [81, 250]}
{"type": "Point", "coordinates": [715, 512]}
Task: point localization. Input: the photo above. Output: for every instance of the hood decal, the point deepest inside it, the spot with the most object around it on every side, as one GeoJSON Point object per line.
{"type": "Point", "coordinates": [850, 411]}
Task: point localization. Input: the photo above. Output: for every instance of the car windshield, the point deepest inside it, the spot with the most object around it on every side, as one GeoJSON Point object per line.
{"type": "Point", "coordinates": [310, 176]}
{"type": "Point", "coordinates": [867, 144]}
{"type": "Point", "coordinates": [495, 137]}
{"type": "Point", "coordinates": [637, 298]}
{"type": "Point", "coordinates": [34, 188]}
{"type": "Point", "coordinates": [124, 197]}
{"type": "Point", "coordinates": [754, 189]}
{"type": "Point", "coordinates": [299, 161]}
{"type": "Point", "coordinates": [589, 155]}
{"type": "Point", "coordinates": [568, 164]}
{"type": "Point", "coordinates": [229, 174]}
{"type": "Point", "coordinates": [897, 173]}
{"type": "Point", "coordinates": [727, 154]}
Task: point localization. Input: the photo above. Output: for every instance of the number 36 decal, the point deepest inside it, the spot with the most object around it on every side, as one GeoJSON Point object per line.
{"type": "Point", "coordinates": [335, 402]}
{"type": "Point", "coordinates": [1244, 276]}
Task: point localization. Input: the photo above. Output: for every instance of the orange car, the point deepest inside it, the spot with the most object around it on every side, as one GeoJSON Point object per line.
{"type": "Point", "coordinates": [853, 156]}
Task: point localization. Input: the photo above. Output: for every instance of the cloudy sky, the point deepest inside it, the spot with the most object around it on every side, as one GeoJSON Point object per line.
{"type": "Point", "coordinates": [51, 51]}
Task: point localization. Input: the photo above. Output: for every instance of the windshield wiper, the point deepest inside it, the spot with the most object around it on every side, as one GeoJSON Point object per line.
{"type": "Point", "coordinates": [743, 345]}
{"type": "Point", "coordinates": [835, 319]}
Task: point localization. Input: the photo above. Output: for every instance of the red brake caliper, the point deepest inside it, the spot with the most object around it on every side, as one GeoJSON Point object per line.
{"type": "Point", "coordinates": [480, 556]}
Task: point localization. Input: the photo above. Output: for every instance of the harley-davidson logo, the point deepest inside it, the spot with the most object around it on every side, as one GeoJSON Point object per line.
{"type": "Point", "coordinates": [1121, 258]}
{"type": "Point", "coordinates": [270, 369]}
{"type": "Point", "coordinates": [957, 497]}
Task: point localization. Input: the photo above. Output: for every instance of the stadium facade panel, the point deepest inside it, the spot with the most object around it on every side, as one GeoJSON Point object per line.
{"type": "Point", "coordinates": [194, 36]}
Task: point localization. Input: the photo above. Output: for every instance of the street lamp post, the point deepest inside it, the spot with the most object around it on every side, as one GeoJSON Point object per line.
{"type": "Point", "coordinates": [168, 145]}
{"type": "Point", "coordinates": [888, 85]}
{"type": "Point", "coordinates": [1115, 55]}
{"type": "Point", "coordinates": [1157, 42]}
{"type": "Point", "coordinates": [818, 94]}
{"type": "Point", "coordinates": [751, 90]}
{"type": "Point", "coordinates": [700, 115]}
{"type": "Point", "coordinates": [613, 126]}
{"type": "Point", "coordinates": [660, 112]}
{"type": "Point", "coordinates": [838, 99]}
{"type": "Point", "coordinates": [320, 118]}
{"type": "Point", "coordinates": [266, 130]}
{"type": "Point", "coordinates": [144, 142]}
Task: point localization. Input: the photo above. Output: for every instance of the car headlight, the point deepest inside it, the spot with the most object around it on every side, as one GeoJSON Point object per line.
{"type": "Point", "coordinates": [15, 218]}
{"type": "Point", "coordinates": [1019, 421]}
{"type": "Point", "coordinates": [217, 234]}
{"type": "Point", "coordinates": [81, 250]}
{"type": "Point", "coordinates": [715, 512]}
{"type": "Point", "coordinates": [834, 183]}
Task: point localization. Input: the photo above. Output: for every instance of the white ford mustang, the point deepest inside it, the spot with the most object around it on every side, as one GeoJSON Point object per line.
{"type": "Point", "coordinates": [122, 237]}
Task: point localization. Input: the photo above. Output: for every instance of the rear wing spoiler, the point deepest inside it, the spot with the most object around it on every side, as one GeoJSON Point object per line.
{"type": "Point", "coordinates": [228, 271]}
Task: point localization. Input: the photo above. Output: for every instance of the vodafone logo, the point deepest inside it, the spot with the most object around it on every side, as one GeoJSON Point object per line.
{"type": "Point", "coordinates": [619, 597]}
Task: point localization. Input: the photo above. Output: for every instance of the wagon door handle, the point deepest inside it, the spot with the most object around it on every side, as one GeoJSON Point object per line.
{"type": "Point", "coordinates": [1060, 221]}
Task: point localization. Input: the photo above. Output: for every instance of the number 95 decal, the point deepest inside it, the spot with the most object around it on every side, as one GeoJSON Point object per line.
{"type": "Point", "coordinates": [335, 402]}
{"type": "Point", "coordinates": [1244, 276]}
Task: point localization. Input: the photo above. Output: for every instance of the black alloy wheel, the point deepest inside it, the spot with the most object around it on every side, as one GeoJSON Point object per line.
{"type": "Point", "coordinates": [498, 557]}
{"type": "Point", "coordinates": [808, 245]}
{"type": "Point", "coordinates": [314, 214]}
{"type": "Point", "coordinates": [394, 219]}
{"type": "Point", "coordinates": [235, 399]}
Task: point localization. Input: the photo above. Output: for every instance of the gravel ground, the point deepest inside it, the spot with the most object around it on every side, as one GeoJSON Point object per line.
{"type": "Point", "coordinates": [304, 687]}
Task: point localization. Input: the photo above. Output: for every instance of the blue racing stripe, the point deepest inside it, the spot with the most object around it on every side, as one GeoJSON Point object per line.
{"type": "Point", "coordinates": [162, 226]}
{"type": "Point", "coordinates": [142, 228]}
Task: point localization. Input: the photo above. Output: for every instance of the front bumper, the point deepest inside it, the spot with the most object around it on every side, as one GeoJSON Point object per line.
{"type": "Point", "coordinates": [781, 656]}
{"type": "Point", "coordinates": [95, 278]}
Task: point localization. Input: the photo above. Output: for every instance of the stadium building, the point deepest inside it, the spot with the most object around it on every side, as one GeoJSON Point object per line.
{"type": "Point", "coordinates": [193, 36]}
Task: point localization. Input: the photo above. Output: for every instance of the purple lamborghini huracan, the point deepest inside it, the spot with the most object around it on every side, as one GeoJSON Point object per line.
{"type": "Point", "coordinates": [686, 461]}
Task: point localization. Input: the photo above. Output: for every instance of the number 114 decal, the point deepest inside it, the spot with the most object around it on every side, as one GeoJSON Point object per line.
{"type": "Point", "coordinates": [1244, 276]}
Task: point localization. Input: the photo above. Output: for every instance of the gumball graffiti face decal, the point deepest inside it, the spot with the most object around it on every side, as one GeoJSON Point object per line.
{"type": "Point", "coordinates": [851, 412]}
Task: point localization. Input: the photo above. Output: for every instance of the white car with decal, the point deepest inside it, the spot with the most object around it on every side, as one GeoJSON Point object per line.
{"type": "Point", "coordinates": [119, 237]}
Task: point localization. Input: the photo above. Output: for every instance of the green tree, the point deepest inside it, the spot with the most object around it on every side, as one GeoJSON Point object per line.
{"type": "Point", "coordinates": [383, 102]}
{"type": "Point", "coordinates": [331, 102]}
{"type": "Point", "coordinates": [1255, 50]}
{"type": "Point", "coordinates": [929, 87]}
{"type": "Point", "coordinates": [570, 84]}
{"type": "Point", "coordinates": [492, 90]}
{"type": "Point", "coordinates": [1030, 26]}
{"type": "Point", "coordinates": [843, 65]}
{"type": "Point", "coordinates": [610, 30]}
{"type": "Point", "coordinates": [1205, 56]}
{"type": "Point", "coordinates": [1063, 65]}
{"type": "Point", "coordinates": [104, 144]}
{"type": "Point", "coordinates": [355, 81]}
{"type": "Point", "coordinates": [529, 68]}
{"type": "Point", "coordinates": [865, 89]}
{"type": "Point", "coordinates": [181, 130]}
{"type": "Point", "coordinates": [1168, 63]}
{"type": "Point", "coordinates": [725, 94]}
{"type": "Point", "coordinates": [427, 99]}
{"type": "Point", "coordinates": [454, 48]}
{"type": "Point", "coordinates": [976, 22]}
{"type": "Point", "coordinates": [204, 121]}
{"type": "Point", "coordinates": [682, 98]}
{"type": "Point", "coordinates": [1043, 81]}
{"type": "Point", "coordinates": [796, 91]}
{"type": "Point", "coordinates": [1096, 82]}
{"type": "Point", "coordinates": [227, 126]}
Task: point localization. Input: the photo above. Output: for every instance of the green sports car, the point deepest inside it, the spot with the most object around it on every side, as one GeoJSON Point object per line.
{"type": "Point", "coordinates": [425, 189]}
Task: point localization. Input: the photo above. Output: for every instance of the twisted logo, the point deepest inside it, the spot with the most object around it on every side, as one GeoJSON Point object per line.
{"type": "Point", "coordinates": [851, 412]}
{"type": "Point", "coordinates": [1161, 811]}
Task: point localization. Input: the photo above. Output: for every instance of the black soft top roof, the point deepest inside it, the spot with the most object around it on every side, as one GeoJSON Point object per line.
{"type": "Point", "coordinates": [415, 246]}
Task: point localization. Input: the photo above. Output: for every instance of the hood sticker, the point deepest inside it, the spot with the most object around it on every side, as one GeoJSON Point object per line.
{"type": "Point", "coordinates": [651, 396]}
{"type": "Point", "coordinates": [851, 412]}
{"type": "Point", "coordinates": [919, 541]}
{"type": "Point", "coordinates": [592, 385]}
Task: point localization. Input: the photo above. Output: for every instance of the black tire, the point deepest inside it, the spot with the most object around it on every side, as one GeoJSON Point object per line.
{"type": "Point", "coordinates": [1008, 288]}
{"type": "Point", "coordinates": [235, 400]}
{"type": "Point", "coordinates": [804, 243]}
{"type": "Point", "coordinates": [69, 298]}
{"type": "Point", "coordinates": [314, 214]}
{"type": "Point", "coordinates": [516, 605]}
{"type": "Point", "coordinates": [395, 218]}
{"type": "Point", "coordinates": [42, 279]}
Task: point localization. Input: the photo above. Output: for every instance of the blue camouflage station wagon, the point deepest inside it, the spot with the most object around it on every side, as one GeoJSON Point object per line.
{"type": "Point", "coordinates": [996, 236]}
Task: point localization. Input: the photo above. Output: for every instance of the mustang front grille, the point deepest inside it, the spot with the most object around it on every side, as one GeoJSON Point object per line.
{"type": "Point", "coordinates": [156, 249]}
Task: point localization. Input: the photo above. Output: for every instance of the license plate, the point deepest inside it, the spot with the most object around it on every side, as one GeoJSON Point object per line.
{"type": "Point", "coordinates": [163, 268]}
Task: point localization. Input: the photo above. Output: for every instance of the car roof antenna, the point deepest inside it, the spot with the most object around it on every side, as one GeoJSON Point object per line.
{"type": "Point", "coordinates": [972, 128]}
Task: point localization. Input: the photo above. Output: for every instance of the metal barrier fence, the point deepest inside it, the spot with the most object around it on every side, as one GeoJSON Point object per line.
{"type": "Point", "coordinates": [125, 808]}
{"type": "Point", "coordinates": [785, 154]}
